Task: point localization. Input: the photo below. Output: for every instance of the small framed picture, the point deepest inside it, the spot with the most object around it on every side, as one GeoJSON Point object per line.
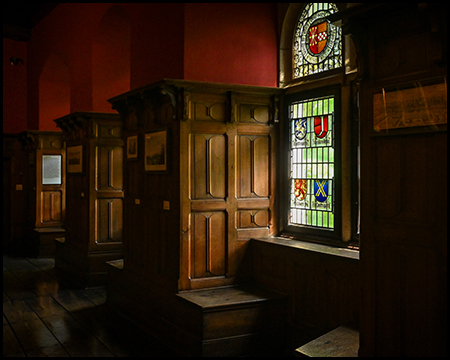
{"type": "Point", "coordinates": [75, 159]}
{"type": "Point", "coordinates": [132, 147]}
{"type": "Point", "coordinates": [156, 151]}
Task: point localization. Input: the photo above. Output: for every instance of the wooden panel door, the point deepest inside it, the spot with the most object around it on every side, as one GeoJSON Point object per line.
{"type": "Point", "coordinates": [226, 159]}
{"type": "Point", "coordinates": [50, 179]}
{"type": "Point", "coordinates": [108, 195]}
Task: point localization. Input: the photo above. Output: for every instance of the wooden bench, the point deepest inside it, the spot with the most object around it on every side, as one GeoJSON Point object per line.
{"type": "Point", "coordinates": [44, 240]}
{"type": "Point", "coordinates": [233, 321]}
{"type": "Point", "coordinates": [340, 342]}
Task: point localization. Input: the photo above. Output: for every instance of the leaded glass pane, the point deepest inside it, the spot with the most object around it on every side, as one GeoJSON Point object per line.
{"type": "Point", "coordinates": [317, 45]}
{"type": "Point", "coordinates": [312, 163]}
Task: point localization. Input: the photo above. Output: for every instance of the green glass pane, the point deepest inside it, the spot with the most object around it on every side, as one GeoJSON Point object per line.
{"type": "Point", "coordinates": [331, 220]}
{"type": "Point", "coordinates": [312, 158]}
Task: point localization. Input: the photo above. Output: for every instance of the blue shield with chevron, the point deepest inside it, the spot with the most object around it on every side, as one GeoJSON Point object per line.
{"type": "Point", "coordinates": [321, 190]}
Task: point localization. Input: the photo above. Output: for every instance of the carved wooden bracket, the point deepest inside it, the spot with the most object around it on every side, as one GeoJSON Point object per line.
{"type": "Point", "coordinates": [171, 92]}
{"type": "Point", "coordinates": [184, 98]}
{"type": "Point", "coordinates": [274, 110]}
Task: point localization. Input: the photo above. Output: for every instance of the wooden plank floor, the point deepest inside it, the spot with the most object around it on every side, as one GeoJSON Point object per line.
{"type": "Point", "coordinates": [44, 317]}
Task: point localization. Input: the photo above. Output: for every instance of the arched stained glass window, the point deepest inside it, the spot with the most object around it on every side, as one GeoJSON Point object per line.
{"type": "Point", "coordinates": [317, 45]}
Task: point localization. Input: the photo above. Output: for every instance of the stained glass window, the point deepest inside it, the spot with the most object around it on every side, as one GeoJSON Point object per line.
{"type": "Point", "coordinates": [317, 45]}
{"type": "Point", "coordinates": [312, 161]}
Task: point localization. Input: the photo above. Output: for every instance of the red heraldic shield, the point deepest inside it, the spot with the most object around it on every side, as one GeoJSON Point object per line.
{"type": "Point", "coordinates": [300, 188]}
{"type": "Point", "coordinates": [321, 126]}
{"type": "Point", "coordinates": [318, 37]}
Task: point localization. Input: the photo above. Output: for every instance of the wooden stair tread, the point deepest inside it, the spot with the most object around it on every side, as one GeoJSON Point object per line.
{"type": "Point", "coordinates": [340, 342]}
{"type": "Point", "coordinates": [118, 264]}
{"type": "Point", "coordinates": [235, 296]}
{"type": "Point", "coordinates": [50, 230]}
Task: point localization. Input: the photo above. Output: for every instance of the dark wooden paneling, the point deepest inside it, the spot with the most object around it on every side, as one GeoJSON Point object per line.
{"type": "Point", "coordinates": [94, 226]}
{"type": "Point", "coordinates": [409, 250]}
{"type": "Point", "coordinates": [403, 188]}
{"type": "Point", "coordinates": [33, 205]}
{"type": "Point", "coordinates": [405, 288]}
{"type": "Point", "coordinates": [188, 228]}
{"type": "Point", "coordinates": [229, 141]}
{"type": "Point", "coordinates": [323, 289]}
{"type": "Point", "coordinates": [150, 232]}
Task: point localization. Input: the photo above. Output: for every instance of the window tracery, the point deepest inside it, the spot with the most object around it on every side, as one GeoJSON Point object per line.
{"type": "Point", "coordinates": [317, 44]}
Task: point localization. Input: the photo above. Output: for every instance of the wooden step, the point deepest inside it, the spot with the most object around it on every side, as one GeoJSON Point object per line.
{"type": "Point", "coordinates": [234, 321]}
{"type": "Point", "coordinates": [45, 241]}
{"type": "Point", "coordinates": [340, 342]}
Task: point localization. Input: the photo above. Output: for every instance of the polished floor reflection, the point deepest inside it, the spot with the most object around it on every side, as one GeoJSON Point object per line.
{"type": "Point", "coordinates": [44, 317]}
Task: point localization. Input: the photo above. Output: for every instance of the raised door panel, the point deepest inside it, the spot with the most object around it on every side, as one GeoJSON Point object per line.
{"type": "Point", "coordinates": [112, 131]}
{"type": "Point", "coordinates": [249, 219]}
{"type": "Point", "coordinates": [253, 166]}
{"type": "Point", "coordinates": [208, 107]}
{"type": "Point", "coordinates": [109, 220]}
{"type": "Point", "coordinates": [208, 153]}
{"type": "Point", "coordinates": [109, 168]}
{"type": "Point", "coordinates": [254, 113]}
{"type": "Point", "coordinates": [209, 244]}
{"type": "Point", "coordinates": [51, 207]}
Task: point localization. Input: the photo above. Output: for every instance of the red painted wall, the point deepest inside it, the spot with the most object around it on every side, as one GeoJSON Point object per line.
{"type": "Point", "coordinates": [156, 42]}
{"type": "Point", "coordinates": [68, 32]}
{"type": "Point", "coordinates": [111, 57]}
{"type": "Point", "coordinates": [81, 54]}
{"type": "Point", "coordinates": [54, 91]}
{"type": "Point", "coordinates": [14, 87]}
{"type": "Point", "coordinates": [231, 43]}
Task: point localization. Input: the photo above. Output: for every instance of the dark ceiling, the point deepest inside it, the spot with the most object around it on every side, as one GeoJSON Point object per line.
{"type": "Point", "coordinates": [20, 18]}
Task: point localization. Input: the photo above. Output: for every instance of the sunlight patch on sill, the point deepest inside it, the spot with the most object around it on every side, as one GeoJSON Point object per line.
{"type": "Point", "coordinates": [309, 246]}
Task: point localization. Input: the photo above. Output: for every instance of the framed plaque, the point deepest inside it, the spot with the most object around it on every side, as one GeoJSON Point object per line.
{"type": "Point", "coordinates": [416, 105]}
{"type": "Point", "coordinates": [51, 169]}
{"type": "Point", "coordinates": [75, 159]}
